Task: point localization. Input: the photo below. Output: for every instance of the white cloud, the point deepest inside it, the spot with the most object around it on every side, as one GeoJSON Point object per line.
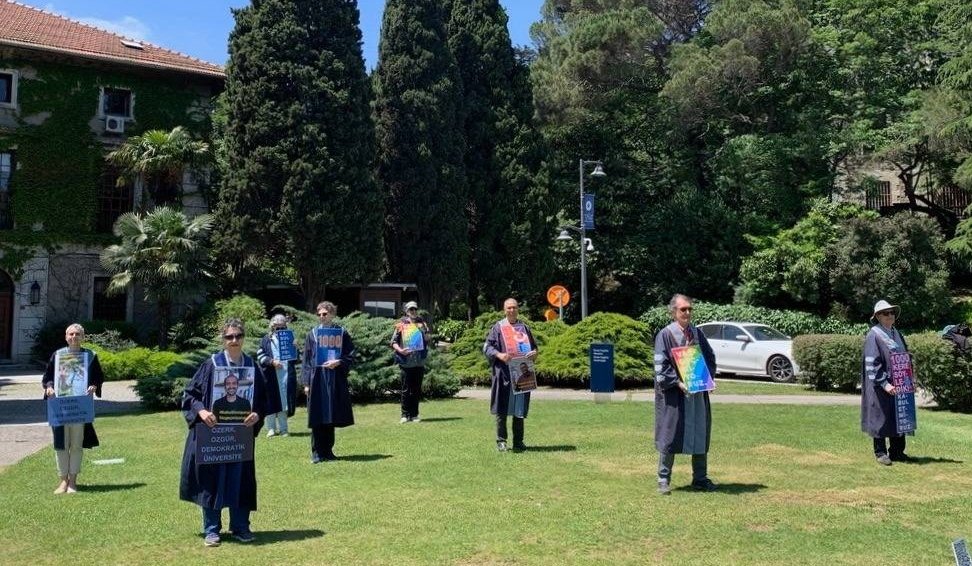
{"type": "Point", "coordinates": [126, 26]}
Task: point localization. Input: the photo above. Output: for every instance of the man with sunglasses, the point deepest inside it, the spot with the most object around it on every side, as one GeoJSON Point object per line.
{"type": "Point", "coordinates": [683, 420]}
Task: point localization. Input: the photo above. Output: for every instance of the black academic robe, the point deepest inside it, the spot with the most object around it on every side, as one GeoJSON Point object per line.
{"type": "Point", "coordinates": [502, 400]}
{"type": "Point", "coordinates": [265, 359]}
{"type": "Point", "coordinates": [215, 486]}
{"type": "Point", "coordinates": [683, 423]}
{"type": "Point", "coordinates": [96, 377]}
{"type": "Point", "coordinates": [329, 401]}
{"type": "Point", "coordinates": [877, 407]}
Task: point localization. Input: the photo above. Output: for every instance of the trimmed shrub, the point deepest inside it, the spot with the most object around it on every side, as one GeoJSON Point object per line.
{"type": "Point", "coordinates": [450, 329]}
{"type": "Point", "coordinates": [466, 354]}
{"type": "Point", "coordinates": [942, 371]}
{"type": "Point", "coordinates": [829, 362]}
{"type": "Point", "coordinates": [110, 340]}
{"type": "Point", "coordinates": [134, 363]}
{"type": "Point", "coordinates": [51, 336]}
{"type": "Point", "coordinates": [566, 359]}
{"type": "Point", "coordinates": [161, 392]}
{"type": "Point", "coordinates": [792, 323]}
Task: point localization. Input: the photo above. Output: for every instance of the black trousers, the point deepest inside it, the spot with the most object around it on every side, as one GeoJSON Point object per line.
{"type": "Point", "coordinates": [517, 430]}
{"type": "Point", "coordinates": [896, 450]}
{"type": "Point", "coordinates": [411, 391]}
{"type": "Point", "coordinates": [322, 442]}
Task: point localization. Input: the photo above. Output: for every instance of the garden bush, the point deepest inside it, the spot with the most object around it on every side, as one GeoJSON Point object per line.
{"type": "Point", "coordinates": [51, 336]}
{"type": "Point", "coordinates": [566, 359]}
{"type": "Point", "coordinates": [942, 371]}
{"type": "Point", "coordinates": [134, 363]}
{"type": "Point", "coordinates": [792, 323]}
{"type": "Point", "coordinates": [829, 362]}
{"type": "Point", "coordinates": [449, 329]}
{"type": "Point", "coordinates": [466, 355]}
{"type": "Point", "coordinates": [161, 392]}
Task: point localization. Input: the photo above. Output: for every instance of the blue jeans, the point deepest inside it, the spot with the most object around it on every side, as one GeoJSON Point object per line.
{"type": "Point", "coordinates": [700, 466]}
{"type": "Point", "coordinates": [212, 520]}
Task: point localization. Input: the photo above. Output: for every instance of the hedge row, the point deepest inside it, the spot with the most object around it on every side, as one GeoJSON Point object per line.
{"type": "Point", "coordinates": [791, 323]}
{"type": "Point", "coordinates": [831, 362]}
{"type": "Point", "coordinates": [563, 358]}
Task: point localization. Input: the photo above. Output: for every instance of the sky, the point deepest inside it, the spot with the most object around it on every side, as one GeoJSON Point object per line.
{"type": "Point", "coordinates": [200, 28]}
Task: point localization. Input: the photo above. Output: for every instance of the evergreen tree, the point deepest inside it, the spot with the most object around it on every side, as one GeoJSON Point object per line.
{"type": "Point", "coordinates": [299, 147]}
{"type": "Point", "coordinates": [420, 151]}
{"type": "Point", "coordinates": [506, 204]}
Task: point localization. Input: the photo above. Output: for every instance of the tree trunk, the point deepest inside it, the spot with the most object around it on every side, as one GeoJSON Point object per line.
{"type": "Point", "coordinates": [164, 311]}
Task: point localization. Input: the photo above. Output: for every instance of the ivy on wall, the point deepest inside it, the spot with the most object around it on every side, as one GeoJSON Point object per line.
{"type": "Point", "coordinates": [60, 159]}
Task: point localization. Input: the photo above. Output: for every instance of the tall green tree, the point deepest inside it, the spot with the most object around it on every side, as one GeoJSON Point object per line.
{"type": "Point", "coordinates": [507, 203]}
{"type": "Point", "coordinates": [159, 159]}
{"type": "Point", "coordinates": [420, 151]}
{"type": "Point", "coordinates": [165, 253]}
{"type": "Point", "coordinates": [299, 147]}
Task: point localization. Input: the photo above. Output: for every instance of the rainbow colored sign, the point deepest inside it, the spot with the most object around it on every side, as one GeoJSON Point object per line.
{"type": "Point", "coordinates": [412, 337]}
{"type": "Point", "coordinates": [692, 368]}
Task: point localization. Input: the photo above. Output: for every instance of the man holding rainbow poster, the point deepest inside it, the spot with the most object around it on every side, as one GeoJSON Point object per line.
{"type": "Point", "coordinates": [684, 364]}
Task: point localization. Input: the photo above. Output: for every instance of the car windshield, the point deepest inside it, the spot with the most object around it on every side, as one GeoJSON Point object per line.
{"type": "Point", "coordinates": [761, 332]}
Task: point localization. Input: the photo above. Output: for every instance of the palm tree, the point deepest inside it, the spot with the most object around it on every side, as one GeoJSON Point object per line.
{"type": "Point", "coordinates": [159, 158]}
{"type": "Point", "coordinates": [165, 252]}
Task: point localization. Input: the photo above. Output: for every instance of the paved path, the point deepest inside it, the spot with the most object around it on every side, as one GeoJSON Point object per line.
{"type": "Point", "coordinates": [24, 430]}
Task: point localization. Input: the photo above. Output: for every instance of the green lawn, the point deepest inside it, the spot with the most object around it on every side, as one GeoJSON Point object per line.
{"type": "Point", "coordinates": [746, 387]}
{"type": "Point", "coordinates": [799, 486]}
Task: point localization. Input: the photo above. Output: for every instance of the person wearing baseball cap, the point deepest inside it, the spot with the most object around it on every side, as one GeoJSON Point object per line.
{"type": "Point", "coordinates": [410, 342]}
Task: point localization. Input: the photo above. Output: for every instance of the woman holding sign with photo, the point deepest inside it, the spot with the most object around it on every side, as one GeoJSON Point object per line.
{"type": "Point", "coordinates": [273, 362]}
{"type": "Point", "coordinates": [214, 486]}
{"type": "Point", "coordinates": [886, 360]}
{"type": "Point", "coordinates": [328, 354]}
{"type": "Point", "coordinates": [67, 370]}
{"type": "Point", "coordinates": [683, 419]}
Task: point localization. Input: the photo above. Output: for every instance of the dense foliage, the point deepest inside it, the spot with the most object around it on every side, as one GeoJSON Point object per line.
{"type": "Point", "coordinates": [789, 322]}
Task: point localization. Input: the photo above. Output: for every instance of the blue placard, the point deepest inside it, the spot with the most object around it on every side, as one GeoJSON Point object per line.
{"type": "Point", "coordinates": [904, 413]}
{"type": "Point", "coordinates": [223, 444]}
{"type": "Point", "coordinates": [588, 216]}
{"type": "Point", "coordinates": [602, 368]}
{"type": "Point", "coordinates": [73, 409]}
{"type": "Point", "coordinates": [285, 341]}
{"type": "Point", "coordinates": [329, 343]}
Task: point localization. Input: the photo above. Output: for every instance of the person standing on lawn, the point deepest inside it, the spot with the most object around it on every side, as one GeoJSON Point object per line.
{"type": "Point", "coordinates": [268, 356]}
{"type": "Point", "coordinates": [215, 486]}
{"type": "Point", "coordinates": [71, 439]}
{"type": "Point", "coordinates": [877, 390]}
{"type": "Point", "coordinates": [326, 385]}
{"type": "Point", "coordinates": [683, 420]}
{"type": "Point", "coordinates": [508, 339]}
{"type": "Point", "coordinates": [411, 344]}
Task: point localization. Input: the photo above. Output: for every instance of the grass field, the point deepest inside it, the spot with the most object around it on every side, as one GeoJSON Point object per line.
{"type": "Point", "coordinates": [799, 485]}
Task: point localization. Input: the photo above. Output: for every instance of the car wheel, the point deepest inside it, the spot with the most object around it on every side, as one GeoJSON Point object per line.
{"type": "Point", "coordinates": [780, 369]}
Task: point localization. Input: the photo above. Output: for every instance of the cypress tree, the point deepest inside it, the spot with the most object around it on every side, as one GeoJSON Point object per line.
{"type": "Point", "coordinates": [506, 205]}
{"type": "Point", "coordinates": [420, 166]}
{"type": "Point", "coordinates": [299, 190]}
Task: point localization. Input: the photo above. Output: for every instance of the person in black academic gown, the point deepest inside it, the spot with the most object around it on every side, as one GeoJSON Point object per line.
{"type": "Point", "coordinates": [233, 485]}
{"type": "Point", "coordinates": [69, 440]}
{"type": "Point", "coordinates": [326, 386]}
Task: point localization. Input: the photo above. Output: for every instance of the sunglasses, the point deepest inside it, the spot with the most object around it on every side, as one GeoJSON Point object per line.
{"type": "Point", "coordinates": [685, 309]}
{"type": "Point", "coordinates": [885, 313]}
{"type": "Point", "coordinates": [231, 337]}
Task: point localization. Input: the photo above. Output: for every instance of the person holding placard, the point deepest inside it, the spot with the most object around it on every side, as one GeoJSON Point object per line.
{"type": "Point", "coordinates": [328, 355]}
{"type": "Point", "coordinates": [887, 387]}
{"type": "Point", "coordinates": [277, 355]}
{"type": "Point", "coordinates": [410, 342]}
{"type": "Point", "coordinates": [683, 419]}
{"type": "Point", "coordinates": [218, 485]}
{"type": "Point", "coordinates": [509, 341]}
{"type": "Point", "coordinates": [72, 371]}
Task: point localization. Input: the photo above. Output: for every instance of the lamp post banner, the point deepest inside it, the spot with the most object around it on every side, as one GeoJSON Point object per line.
{"type": "Point", "coordinates": [587, 219]}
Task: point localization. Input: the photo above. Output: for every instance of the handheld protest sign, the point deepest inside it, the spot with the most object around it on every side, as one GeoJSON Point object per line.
{"type": "Point", "coordinates": [692, 369]}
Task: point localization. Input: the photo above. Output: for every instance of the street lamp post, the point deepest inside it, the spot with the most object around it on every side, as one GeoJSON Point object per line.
{"type": "Point", "coordinates": [585, 243]}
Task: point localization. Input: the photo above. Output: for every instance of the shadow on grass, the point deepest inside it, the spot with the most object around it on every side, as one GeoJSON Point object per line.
{"type": "Point", "coordinates": [727, 488]}
{"type": "Point", "coordinates": [363, 457]}
{"type": "Point", "coordinates": [271, 537]}
{"type": "Point", "coordinates": [298, 434]}
{"type": "Point", "coordinates": [922, 460]}
{"type": "Point", "coordinates": [552, 448]}
{"type": "Point", "coordinates": [440, 419]}
{"type": "Point", "coordinates": [104, 488]}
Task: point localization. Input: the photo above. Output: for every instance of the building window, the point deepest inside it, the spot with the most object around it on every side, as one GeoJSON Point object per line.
{"type": "Point", "coordinates": [380, 308]}
{"type": "Point", "coordinates": [879, 195]}
{"type": "Point", "coordinates": [8, 88]}
{"type": "Point", "coordinates": [105, 307]}
{"type": "Point", "coordinates": [113, 201]}
{"type": "Point", "coordinates": [6, 173]}
{"type": "Point", "coordinates": [116, 102]}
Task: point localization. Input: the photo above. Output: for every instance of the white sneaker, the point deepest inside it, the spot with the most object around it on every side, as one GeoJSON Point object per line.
{"type": "Point", "coordinates": [416, 420]}
{"type": "Point", "coordinates": [404, 420]}
{"type": "Point", "coordinates": [271, 434]}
